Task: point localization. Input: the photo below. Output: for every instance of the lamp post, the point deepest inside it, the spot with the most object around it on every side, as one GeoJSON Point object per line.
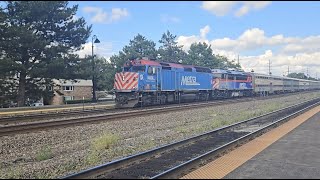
{"type": "Point", "coordinates": [94, 99]}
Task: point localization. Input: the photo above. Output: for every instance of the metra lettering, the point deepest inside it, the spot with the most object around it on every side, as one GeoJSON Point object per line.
{"type": "Point", "coordinates": [150, 78]}
{"type": "Point", "coordinates": [189, 80]}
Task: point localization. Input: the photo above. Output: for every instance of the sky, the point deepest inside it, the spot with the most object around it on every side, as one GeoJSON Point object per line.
{"type": "Point", "coordinates": [284, 33]}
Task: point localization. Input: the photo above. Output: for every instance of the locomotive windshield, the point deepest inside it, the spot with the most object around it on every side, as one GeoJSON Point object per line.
{"type": "Point", "coordinates": [134, 69]}
{"type": "Point", "coordinates": [138, 68]}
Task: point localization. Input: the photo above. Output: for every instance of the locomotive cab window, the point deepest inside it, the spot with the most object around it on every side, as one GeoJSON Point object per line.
{"type": "Point", "coordinates": [152, 70]}
{"type": "Point", "coordinates": [126, 69]}
{"type": "Point", "coordinates": [149, 70]}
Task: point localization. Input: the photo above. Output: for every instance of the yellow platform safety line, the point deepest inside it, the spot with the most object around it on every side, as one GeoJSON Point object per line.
{"type": "Point", "coordinates": [54, 109]}
{"type": "Point", "coordinates": [222, 166]}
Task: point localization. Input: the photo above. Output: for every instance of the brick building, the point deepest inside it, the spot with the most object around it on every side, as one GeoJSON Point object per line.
{"type": "Point", "coordinates": [65, 90]}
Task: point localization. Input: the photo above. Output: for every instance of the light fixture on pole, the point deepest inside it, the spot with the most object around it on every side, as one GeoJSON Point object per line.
{"type": "Point", "coordinates": [94, 99]}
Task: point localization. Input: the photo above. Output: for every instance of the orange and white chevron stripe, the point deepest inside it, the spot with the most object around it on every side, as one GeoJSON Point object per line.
{"type": "Point", "coordinates": [126, 80]}
{"type": "Point", "coordinates": [215, 83]}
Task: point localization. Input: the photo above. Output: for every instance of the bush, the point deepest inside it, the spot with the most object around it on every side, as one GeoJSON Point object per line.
{"type": "Point", "coordinates": [84, 101]}
{"type": "Point", "coordinates": [44, 154]}
{"type": "Point", "coordinates": [78, 101]}
{"type": "Point", "coordinates": [104, 142]}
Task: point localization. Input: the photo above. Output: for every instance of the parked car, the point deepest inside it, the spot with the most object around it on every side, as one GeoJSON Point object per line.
{"type": "Point", "coordinates": [37, 104]}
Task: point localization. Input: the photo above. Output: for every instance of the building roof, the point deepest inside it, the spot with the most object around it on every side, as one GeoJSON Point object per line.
{"type": "Point", "coordinates": [76, 82]}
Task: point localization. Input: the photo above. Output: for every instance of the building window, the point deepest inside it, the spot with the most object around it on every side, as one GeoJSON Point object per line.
{"type": "Point", "coordinates": [50, 88]}
{"type": "Point", "coordinates": [68, 98]}
{"type": "Point", "coordinates": [68, 88]}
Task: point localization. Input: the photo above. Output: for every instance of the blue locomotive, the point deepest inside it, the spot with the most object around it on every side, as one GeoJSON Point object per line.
{"type": "Point", "coordinates": [144, 82]}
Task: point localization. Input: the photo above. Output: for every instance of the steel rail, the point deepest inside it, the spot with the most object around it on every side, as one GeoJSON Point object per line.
{"type": "Point", "coordinates": [5, 120]}
{"type": "Point", "coordinates": [159, 151]}
{"type": "Point", "coordinates": [31, 127]}
{"type": "Point", "coordinates": [184, 168]}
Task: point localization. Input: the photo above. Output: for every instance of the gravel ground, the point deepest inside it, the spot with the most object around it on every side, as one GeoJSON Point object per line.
{"type": "Point", "coordinates": [59, 152]}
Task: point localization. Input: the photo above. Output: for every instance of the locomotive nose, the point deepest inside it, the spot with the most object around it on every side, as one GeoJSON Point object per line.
{"type": "Point", "coordinates": [126, 81]}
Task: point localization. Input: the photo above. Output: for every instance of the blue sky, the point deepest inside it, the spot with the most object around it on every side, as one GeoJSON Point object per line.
{"type": "Point", "coordinates": [287, 33]}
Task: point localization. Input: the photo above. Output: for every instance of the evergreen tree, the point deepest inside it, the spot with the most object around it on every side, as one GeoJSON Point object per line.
{"type": "Point", "coordinates": [170, 51]}
{"type": "Point", "coordinates": [201, 54]}
{"type": "Point", "coordinates": [39, 38]}
{"type": "Point", "coordinates": [139, 47]}
{"type": "Point", "coordinates": [226, 64]}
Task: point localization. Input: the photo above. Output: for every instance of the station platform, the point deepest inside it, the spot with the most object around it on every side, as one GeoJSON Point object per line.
{"type": "Point", "coordinates": [288, 151]}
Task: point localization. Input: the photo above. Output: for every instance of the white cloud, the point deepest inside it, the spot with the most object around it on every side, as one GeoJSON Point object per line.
{"type": "Point", "coordinates": [118, 13]}
{"type": "Point", "coordinates": [222, 8]}
{"type": "Point", "coordinates": [89, 9]}
{"type": "Point", "coordinates": [98, 15]}
{"type": "Point", "coordinates": [204, 31]}
{"type": "Point", "coordinates": [297, 52]}
{"type": "Point", "coordinates": [102, 49]}
{"type": "Point", "coordinates": [165, 18]}
{"type": "Point", "coordinates": [242, 11]}
{"type": "Point", "coordinates": [219, 8]}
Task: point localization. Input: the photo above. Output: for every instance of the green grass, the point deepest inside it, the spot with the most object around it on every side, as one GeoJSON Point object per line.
{"type": "Point", "coordinates": [104, 142]}
{"type": "Point", "coordinates": [99, 145]}
{"type": "Point", "coordinates": [181, 129]}
{"type": "Point", "coordinates": [93, 158]}
{"type": "Point", "coordinates": [44, 154]}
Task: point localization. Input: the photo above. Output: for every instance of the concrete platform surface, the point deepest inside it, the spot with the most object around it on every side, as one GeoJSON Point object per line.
{"type": "Point", "coordinates": [294, 156]}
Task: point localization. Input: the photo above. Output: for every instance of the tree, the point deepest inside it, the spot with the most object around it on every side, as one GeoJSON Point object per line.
{"type": "Point", "coordinates": [301, 76]}
{"type": "Point", "coordinates": [225, 63]}
{"type": "Point", "coordinates": [297, 75]}
{"type": "Point", "coordinates": [170, 51]}
{"type": "Point", "coordinates": [200, 54]}
{"type": "Point", "coordinates": [139, 47]}
{"type": "Point", "coordinates": [104, 72]}
{"type": "Point", "coordinates": [40, 37]}
{"type": "Point", "coordinates": [8, 88]}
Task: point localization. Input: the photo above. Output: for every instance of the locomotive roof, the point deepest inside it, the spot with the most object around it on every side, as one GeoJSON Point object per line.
{"type": "Point", "coordinates": [156, 63]}
{"type": "Point", "coordinates": [223, 71]}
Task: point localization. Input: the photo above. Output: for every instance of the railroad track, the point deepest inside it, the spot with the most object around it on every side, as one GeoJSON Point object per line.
{"type": "Point", "coordinates": [7, 120]}
{"type": "Point", "coordinates": [177, 159]}
{"type": "Point", "coordinates": [42, 116]}
{"type": "Point", "coordinates": [38, 126]}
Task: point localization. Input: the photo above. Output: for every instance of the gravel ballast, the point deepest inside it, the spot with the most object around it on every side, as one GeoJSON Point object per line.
{"type": "Point", "coordinates": [59, 152]}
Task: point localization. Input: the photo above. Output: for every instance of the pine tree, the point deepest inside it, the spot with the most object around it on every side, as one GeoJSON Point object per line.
{"type": "Point", "coordinates": [39, 38]}
{"type": "Point", "coordinates": [170, 51]}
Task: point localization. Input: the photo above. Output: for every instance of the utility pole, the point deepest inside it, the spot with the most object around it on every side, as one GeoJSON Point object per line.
{"type": "Point", "coordinates": [307, 72]}
{"type": "Point", "coordinates": [269, 67]}
{"type": "Point", "coordinates": [288, 71]}
{"type": "Point", "coordinates": [238, 59]}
